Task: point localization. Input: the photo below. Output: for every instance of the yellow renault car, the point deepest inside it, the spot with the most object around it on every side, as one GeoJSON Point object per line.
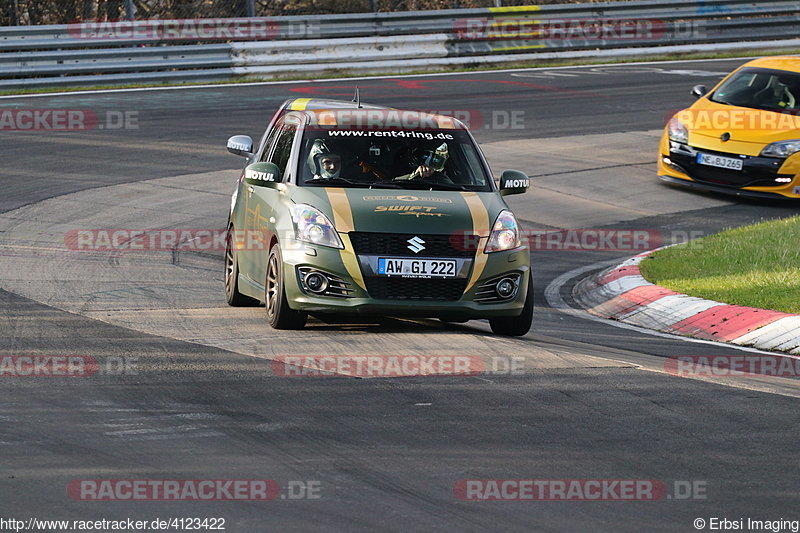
{"type": "Point", "coordinates": [742, 137]}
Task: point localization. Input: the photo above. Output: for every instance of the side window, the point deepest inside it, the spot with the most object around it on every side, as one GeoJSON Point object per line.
{"type": "Point", "coordinates": [283, 147]}
{"type": "Point", "coordinates": [269, 143]}
{"type": "Point", "coordinates": [473, 166]}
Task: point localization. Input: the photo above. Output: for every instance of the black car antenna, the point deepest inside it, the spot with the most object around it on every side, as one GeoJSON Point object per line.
{"type": "Point", "coordinates": [357, 98]}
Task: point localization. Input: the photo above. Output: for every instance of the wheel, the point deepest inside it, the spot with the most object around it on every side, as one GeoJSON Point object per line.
{"type": "Point", "coordinates": [232, 294]}
{"type": "Point", "coordinates": [516, 326]}
{"type": "Point", "coordinates": [279, 314]}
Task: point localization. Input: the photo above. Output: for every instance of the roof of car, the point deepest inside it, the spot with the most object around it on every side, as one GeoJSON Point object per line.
{"type": "Point", "coordinates": [790, 63]}
{"type": "Point", "coordinates": [341, 112]}
{"type": "Point", "coordinates": [317, 104]}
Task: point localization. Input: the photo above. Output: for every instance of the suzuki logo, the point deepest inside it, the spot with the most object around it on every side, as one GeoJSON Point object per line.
{"type": "Point", "coordinates": [415, 244]}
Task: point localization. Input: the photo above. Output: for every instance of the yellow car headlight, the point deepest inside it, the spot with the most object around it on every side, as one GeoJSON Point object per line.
{"type": "Point", "coordinates": [781, 148]}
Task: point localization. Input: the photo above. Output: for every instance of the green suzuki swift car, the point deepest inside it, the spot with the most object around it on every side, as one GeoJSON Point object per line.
{"type": "Point", "coordinates": [344, 207]}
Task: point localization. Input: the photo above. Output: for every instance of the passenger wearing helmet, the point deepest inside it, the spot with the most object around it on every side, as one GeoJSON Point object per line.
{"type": "Point", "coordinates": [429, 163]}
{"type": "Point", "coordinates": [323, 162]}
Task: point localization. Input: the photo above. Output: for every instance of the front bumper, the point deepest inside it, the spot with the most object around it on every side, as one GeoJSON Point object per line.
{"type": "Point", "coordinates": [741, 193]}
{"type": "Point", "coordinates": [426, 298]}
{"type": "Point", "coordinates": [760, 177]}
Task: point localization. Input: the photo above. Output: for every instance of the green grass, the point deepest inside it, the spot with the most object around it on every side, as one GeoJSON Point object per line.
{"type": "Point", "coordinates": [756, 266]}
{"type": "Point", "coordinates": [544, 63]}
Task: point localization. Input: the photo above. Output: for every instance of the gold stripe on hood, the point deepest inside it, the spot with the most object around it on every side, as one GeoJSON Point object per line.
{"type": "Point", "coordinates": [340, 205]}
{"type": "Point", "coordinates": [480, 217]}
{"type": "Point", "coordinates": [343, 221]}
{"type": "Point", "coordinates": [480, 225]}
{"type": "Point", "coordinates": [350, 261]}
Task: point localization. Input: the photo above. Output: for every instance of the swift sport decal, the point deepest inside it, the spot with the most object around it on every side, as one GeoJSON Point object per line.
{"type": "Point", "coordinates": [409, 198]}
{"type": "Point", "coordinates": [412, 210]}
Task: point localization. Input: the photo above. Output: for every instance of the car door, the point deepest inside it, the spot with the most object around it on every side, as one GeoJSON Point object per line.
{"type": "Point", "coordinates": [263, 201]}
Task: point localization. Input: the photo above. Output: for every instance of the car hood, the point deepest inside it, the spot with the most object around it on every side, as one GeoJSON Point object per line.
{"type": "Point", "coordinates": [404, 211]}
{"type": "Point", "coordinates": [711, 120]}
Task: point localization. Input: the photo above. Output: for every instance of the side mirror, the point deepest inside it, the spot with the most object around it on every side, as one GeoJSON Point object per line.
{"type": "Point", "coordinates": [513, 182]}
{"type": "Point", "coordinates": [698, 91]}
{"type": "Point", "coordinates": [263, 175]}
{"type": "Point", "coordinates": [241, 145]}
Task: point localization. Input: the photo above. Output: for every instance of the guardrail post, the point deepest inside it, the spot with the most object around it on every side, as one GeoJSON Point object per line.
{"type": "Point", "coordinates": [130, 10]}
{"type": "Point", "coordinates": [251, 8]}
{"type": "Point", "coordinates": [11, 12]}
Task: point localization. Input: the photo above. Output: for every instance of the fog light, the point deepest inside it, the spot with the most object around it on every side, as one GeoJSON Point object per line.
{"type": "Point", "coordinates": [505, 287]}
{"type": "Point", "coordinates": [316, 282]}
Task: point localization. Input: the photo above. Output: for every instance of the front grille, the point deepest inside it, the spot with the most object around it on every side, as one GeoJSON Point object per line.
{"type": "Point", "coordinates": [416, 289]}
{"type": "Point", "coordinates": [396, 244]}
{"type": "Point", "coordinates": [756, 171]}
{"type": "Point", "coordinates": [733, 178]}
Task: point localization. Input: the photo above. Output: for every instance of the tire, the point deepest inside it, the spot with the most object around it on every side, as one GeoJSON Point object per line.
{"type": "Point", "coordinates": [232, 294]}
{"type": "Point", "coordinates": [279, 314]}
{"type": "Point", "coordinates": [516, 326]}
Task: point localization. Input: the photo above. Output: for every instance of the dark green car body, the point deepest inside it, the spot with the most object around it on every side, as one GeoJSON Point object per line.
{"type": "Point", "coordinates": [420, 229]}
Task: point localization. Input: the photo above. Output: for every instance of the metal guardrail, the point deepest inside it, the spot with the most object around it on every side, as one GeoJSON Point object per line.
{"type": "Point", "coordinates": [95, 53]}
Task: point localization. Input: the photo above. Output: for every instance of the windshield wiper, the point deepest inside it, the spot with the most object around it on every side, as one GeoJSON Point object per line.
{"type": "Point", "coordinates": [444, 186]}
{"type": "Point", "coordinates": [361, 184]}
{"type": "Point", "coordinates": [334, 181]}
{"type": "Point", "coordinates": [385, 185]}
{"type": "Point", "coordinates": [422, 184]}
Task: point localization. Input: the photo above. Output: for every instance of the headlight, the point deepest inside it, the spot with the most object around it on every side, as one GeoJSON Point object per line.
{"type": "Point", "coordinates": [310, 225]}
{"type": "Point", "coordinates": [677, 131]}
{"type": "Point", "coordinates": [781, 148]}
{"type": "Point", "coordinates": [505, 233]}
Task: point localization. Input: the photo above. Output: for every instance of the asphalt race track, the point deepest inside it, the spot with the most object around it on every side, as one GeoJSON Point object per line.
{"type": "Point", "coordinates": [199, 398]}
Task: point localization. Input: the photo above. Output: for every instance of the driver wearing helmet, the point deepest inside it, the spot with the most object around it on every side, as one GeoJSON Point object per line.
{"type": "Point", "coordinates": [323, 162]}
{"type": "Point", "coordinates": [430, 163]}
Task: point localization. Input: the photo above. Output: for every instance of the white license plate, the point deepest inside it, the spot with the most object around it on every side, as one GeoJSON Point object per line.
{"type": "Point", "coordinates": [730, 163]}
{"type": "Point", "coordinates": [417, 268]}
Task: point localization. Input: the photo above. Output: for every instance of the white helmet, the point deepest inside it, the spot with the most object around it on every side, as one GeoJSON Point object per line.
{"type": "Point", "coordinates": [318, 151]}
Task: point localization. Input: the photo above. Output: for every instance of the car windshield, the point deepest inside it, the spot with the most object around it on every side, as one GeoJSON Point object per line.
{"type": "Point", "coordinates": [759, 88]}
{"type": "Point", "coordinates": [443, 159]}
